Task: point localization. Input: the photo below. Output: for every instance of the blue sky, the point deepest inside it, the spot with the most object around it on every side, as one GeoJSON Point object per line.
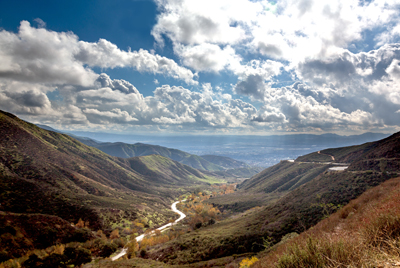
{"type": "Point", "coordinates": [210, 67]}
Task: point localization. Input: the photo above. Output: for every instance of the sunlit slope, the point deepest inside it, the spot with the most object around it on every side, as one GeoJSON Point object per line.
{"type": "Point", "coordinates": [164, 170]}
{"type": "Point", "coordinates": [125, 150]}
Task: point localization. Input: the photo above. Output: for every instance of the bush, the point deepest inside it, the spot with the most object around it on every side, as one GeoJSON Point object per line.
{"type": "Point", "coordinates": [81, 235]}
{"type": "Point", "coordinates": [32, 262]}
{"type": "Point", "coordinates": [143, 253]}
{"type": "Point", "coordinates": [54, 260]}
{"type": "Point", "coordinates": [47, 237]}
{"type": "Point", "coordinates": [77, 256]}
{"type": "Point", "coordinates": [246, 263]}
{"type": "Point", "coordinates": [4, 256]}
{"type": "Point", "coordinates": [107, 249]}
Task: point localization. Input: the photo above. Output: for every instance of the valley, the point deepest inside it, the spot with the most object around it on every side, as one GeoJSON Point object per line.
{"type": "Point", "coordinates": [86, 199]}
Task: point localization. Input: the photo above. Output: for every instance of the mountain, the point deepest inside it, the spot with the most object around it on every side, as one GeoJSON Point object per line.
{"type": "Point", "coordinates": [51, 173]}
{"type": "Point", "coordinates": [207, 162]}
{"type": "Point", "coordinates": [288, 197]}
{"type": "Point", "coordinates": [48, 128]}
{"type": "Point", "coordinates": [256, 150]}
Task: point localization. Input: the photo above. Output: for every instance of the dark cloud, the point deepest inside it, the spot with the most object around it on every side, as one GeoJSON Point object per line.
{"type": "Point", "coordinates": [253, 85]}
{"type": "Point", "coordinates": [270, 49]}
{"type": "Point", "coordinates": [336, 70]}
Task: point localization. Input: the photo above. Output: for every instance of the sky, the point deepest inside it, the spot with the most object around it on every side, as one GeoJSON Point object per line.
{"type": "Point", "coordinates": [203, 67]}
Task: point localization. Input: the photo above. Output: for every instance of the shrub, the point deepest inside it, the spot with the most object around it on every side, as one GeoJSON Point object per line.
{"type": "Point", "coordinates": [4, 256]}
{"type": "Point", "coordinates": [32, 261]}
{"type": "Point", "coordinates": [143, 253]}
{"type": "Point", "coordinates": [107, 249]}
{"type": "Point", "coordinates": [246, 263]}
{"type": "Point", "coordinates": [77, 256]}
{"type": "Point", "coordinates": [114, 234]}
{"type": "Point", "coordinates": [47, 237]}
{"type": "Point", "coordinates": [81, 235]}
{"type": "Point", "coordinates": [54, 260]}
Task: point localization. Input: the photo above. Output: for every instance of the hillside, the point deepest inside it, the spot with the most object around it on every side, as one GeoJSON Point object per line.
{"type": "Point", "coordinates": [293, 196]}
{"type": "Point", "coordinates": [68, 179]}
{"type": "Point", "coordinates": [349, 238]}
{"type": "Point", "coordinates": [166, 171]}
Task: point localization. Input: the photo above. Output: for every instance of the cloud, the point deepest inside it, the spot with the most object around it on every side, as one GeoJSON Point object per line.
{"type": "Point", "coordinates": [40, 22]}
{"type": "Point", "coordinates": [288, 30]}
{"type": "Point", "coordinates": [192, 22]}
{"type": "Point", "coordinates": [107, 55]}
{"type": "Point", "coordinates": [208, 57]}
{"type": "Point", "coordinates": [41, 56]}
{"type": "Point", "coordinates": [115, 116]}
{"type": "Point", "coordinates": [255, 77]}
{"type": "Point", "coordinates": [44, 56]}
{"type": "Point", "coordinates": [24, 98]}
{"type": "Point", "coordinates": [253, 85]}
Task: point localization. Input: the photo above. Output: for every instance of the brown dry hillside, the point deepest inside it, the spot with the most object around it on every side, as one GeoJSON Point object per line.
{"type": "Point", "coordinates": [364, 233]}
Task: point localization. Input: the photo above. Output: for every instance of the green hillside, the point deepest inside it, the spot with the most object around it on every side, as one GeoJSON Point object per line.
{"type": "Point", "coordinates": [166, 171]}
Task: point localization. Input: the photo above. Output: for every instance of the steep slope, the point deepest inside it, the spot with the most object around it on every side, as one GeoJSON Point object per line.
{"type": "Point", "coordinates": [348, 238]}
{"type": "Point", "coordinates": [47, 172]}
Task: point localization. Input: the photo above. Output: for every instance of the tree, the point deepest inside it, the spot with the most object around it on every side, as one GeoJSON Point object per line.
{"type": "Point", "coordinates": [132, 247]}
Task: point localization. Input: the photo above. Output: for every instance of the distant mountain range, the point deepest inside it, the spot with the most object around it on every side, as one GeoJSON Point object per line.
{"type": "Point", "coordinates": [226, 166]}
{"type": "Point", "coordinates": [255, 150]}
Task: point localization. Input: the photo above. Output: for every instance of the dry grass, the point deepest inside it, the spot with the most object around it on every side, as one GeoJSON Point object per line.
{"type": "Point", "coordinates": [365, 233]}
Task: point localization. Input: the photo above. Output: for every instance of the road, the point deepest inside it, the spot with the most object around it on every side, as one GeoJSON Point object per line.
{"type": "Point", "coordinates": [332, 157]}
{"type": "Point", "coordinates": [162, 228]}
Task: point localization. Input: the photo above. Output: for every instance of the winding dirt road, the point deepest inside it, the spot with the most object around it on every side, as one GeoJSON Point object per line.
{"type": "Point", "coordinates": [332, 157]}
{"type": "Point", "coordinates": [162, 228]}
